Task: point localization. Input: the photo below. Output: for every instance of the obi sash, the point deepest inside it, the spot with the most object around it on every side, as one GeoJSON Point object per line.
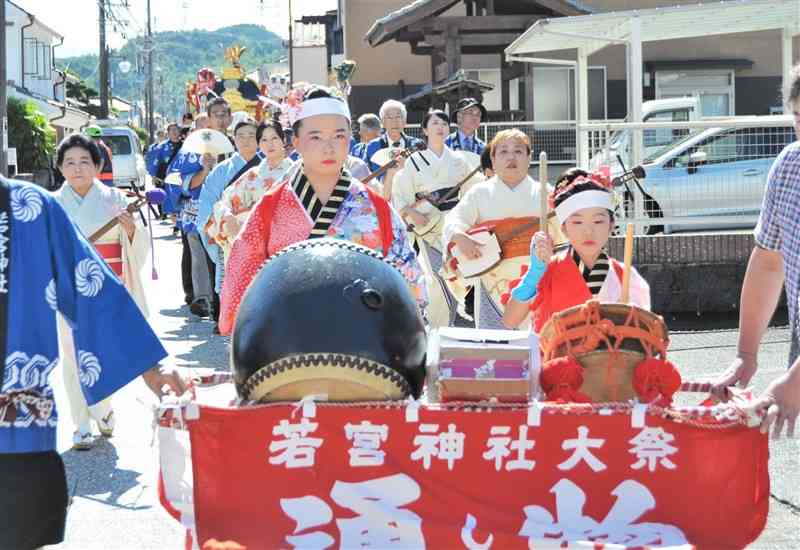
{"type": "Point", "coordinates": [112, 254]}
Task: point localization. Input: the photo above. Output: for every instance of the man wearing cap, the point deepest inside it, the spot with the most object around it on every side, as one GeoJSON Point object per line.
{"type": "Point", "coordinates": [469, 114]}
{"type": "Point", "coordinates": [106, 174]}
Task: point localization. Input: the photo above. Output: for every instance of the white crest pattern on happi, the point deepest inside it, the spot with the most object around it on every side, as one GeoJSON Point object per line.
{"type": "Point", "coordinates": [89, 368]}
{"type": "Point", "coordinates": [89, 277]}
{"type": "Point", "coordinates": [26, 204]}
{"type": "Point", "coordinates": [50, 295]}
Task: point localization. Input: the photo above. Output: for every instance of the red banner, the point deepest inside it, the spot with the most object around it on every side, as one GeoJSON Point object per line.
{"type": "Point", "coordinates": [373, 477]}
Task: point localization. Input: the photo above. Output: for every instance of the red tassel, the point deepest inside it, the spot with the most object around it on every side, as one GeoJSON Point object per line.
{"type": "Point", "coordinates": [561, 378]}
{"type": "Point", "coordinates": [656, 380]}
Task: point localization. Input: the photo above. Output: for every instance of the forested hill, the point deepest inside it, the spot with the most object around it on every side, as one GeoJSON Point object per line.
{"type": "Point", "coordinates": [178, 55]}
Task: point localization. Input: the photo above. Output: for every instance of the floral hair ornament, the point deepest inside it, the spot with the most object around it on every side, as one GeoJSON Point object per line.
{"type": "Point", "coordinates": [602, 196]}
{"type": "Point", "coordinates": [297, 107]}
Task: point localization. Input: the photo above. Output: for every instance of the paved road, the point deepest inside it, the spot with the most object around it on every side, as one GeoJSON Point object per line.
{"type": "Point", "coordinates": [115, 505]}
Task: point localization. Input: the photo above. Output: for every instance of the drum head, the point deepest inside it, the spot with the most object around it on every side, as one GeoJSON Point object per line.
{"type": "Point", "coordinates": [323, 311]}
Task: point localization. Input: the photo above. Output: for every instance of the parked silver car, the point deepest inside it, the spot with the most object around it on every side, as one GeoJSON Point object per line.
{"type": "Point", "coordinates": [714, 173]}
{"type": "Point", "coordinates": [128, 162]}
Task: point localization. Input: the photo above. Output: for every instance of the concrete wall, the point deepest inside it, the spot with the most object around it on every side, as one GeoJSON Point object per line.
{"type": "Point", "coordinates": [388, 63]}
{"type": "Point", "coordinates": [701, 273]}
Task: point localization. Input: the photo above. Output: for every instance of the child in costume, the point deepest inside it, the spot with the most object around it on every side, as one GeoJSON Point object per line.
{"type": "Point", "coordinates": [584, 205]}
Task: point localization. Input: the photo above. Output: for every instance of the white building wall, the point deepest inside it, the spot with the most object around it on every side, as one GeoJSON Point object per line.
{"type": "Point", "coordinates": [310, 65]}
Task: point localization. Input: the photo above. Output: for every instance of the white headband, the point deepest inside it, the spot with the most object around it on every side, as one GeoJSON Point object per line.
{"type": "Point", "coordinates": [581, 200]}
{"type": "Point", "coordinates": [323, 106]}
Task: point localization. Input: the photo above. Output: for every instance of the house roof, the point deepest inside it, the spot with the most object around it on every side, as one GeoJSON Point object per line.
{"type": "Point", "coordinates": [37, 20]}
{"type": "Point", "coordinates": [596, 31]}
{"type": "Point", "coordinates": [385, 28]}
{"type": "Point", "coordinates": [459, 80]}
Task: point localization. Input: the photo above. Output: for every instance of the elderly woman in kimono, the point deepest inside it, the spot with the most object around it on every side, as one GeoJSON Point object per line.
{"type": "Point", "coordinates": [90, 205]}
{"type": "Point", "coordinates": [434, 173]}
{"type": "Point", "coordinates": [318, 199]}
{"type": "Point", "coordinates": [231, 210]}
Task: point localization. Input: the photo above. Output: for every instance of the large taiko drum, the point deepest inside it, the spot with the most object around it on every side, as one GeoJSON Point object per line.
{"type": "Point", "coordinates": [609, 340]}
{"type": "Point", "coordinates": [328, 317]}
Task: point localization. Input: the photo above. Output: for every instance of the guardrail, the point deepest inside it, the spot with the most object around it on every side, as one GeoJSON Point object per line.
{"type": "Point", "coordinates": [724, 190]}
{"type": "Point", "coordinates": [557, 138]}
{"type": "Point", "coordinates": [708, 174]}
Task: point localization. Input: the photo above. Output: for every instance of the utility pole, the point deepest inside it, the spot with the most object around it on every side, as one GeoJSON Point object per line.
{"type": "Point", "coordinates": [3, 92]}
{"type": "Point", "coordinates": [291, 45]}
{"type": "Point", "coordinates": [103, 61]}
{"type": "Point", "coordinates": [151, 127]}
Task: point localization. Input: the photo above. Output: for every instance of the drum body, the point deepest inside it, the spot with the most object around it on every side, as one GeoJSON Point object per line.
{"type": "Point", "coordinates": [609, 340]}
{"type": "Point", "coordinates": [328, 317]}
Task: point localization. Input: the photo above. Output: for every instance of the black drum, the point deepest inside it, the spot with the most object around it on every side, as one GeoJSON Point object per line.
{"type": "Point", "coordinates": [328, 317]}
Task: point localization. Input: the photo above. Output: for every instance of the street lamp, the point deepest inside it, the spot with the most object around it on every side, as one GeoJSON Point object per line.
{"type": "Point", "coordinates": [124, 66]}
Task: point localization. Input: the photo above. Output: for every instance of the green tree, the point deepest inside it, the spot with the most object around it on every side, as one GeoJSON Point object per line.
{"type": "Point", "coordinates": [30, 132]}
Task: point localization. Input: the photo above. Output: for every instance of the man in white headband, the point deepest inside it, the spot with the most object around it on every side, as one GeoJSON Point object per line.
{"type": "Point", "coordinates": [583, 271]}
{"type": "Point", "coordinates": [319, 198]}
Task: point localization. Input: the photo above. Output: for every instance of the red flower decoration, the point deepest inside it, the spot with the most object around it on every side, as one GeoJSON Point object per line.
{"type": "Point", "coordinates": [656, 380]}
{"type": "Point", "coordinates": [561, 378]}
{"type": "Point", "coordinates": [599, 179]}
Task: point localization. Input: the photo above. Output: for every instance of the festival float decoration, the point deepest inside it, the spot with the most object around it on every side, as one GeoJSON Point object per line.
{"type": "Point", "coordinates": [549, 469]}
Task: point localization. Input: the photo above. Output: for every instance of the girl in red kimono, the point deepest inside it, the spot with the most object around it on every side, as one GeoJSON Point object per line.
{"type": "Point", "coordinates": [318, 198]}
{"type": "Point", "coordinates": [582, 271]}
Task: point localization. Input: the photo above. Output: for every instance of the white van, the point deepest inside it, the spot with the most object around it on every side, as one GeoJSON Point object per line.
{"type": "Point", "coordinates": [128, 162]}
{"type": "Point", "coordinates": [677, 109]}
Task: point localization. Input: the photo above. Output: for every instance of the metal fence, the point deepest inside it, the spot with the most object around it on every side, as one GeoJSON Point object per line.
{"type": "Point", "coordinates": [557, 138]}
{"type": "Point", "coordinates": [708, 174]}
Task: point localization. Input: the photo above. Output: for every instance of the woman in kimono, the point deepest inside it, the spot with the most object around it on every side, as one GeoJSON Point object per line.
{"type": "Point", "coordinates": [434, 173]}
{"type": "Point", "coordinates": [231, 210]}
{"type": "Point", "coordinates": [582, 271]}
{"type": "Point", "coordinates": [90, 205]}
{"type": "Point", "coordinates": [510, 196]}
{"type": "Point", "coordinates": [317, 199]}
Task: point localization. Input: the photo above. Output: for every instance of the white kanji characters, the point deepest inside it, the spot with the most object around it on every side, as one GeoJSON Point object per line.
{"type": "Point", "coordinates": [499, 448]}
{"type": "Point", "coordinates": [652, 447]}
{"type": "Point", "coordinates": [381, 522]}
{"type": "Point", "coordinates": [297, 450]}
{"type": "Point", "coordinates": [618, 527]}
{"type": "Point", "coordinates": [366, 438]}
{"type": "Point", "coordinates": [447, 445]}
{"type": "Point", "coordinates": [308, 511]}
{"type": "Point", "coordinates": [581, 451]}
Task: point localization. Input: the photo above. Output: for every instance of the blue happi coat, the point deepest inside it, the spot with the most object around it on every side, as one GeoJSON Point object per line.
{"type": "Point", "coordinates": [183, 167]}
{"type": "Point", "coordinates": [53, 268]}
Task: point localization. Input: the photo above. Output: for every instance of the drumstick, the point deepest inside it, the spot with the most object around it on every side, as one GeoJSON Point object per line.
{"type": "Point", "coordinates": [626, 273]}
{"type": "Point", "coordinates": [543, 191]}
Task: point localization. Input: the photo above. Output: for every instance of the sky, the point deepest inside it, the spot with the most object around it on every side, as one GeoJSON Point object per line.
{"type": "Point", "coordinates": [77, 20]}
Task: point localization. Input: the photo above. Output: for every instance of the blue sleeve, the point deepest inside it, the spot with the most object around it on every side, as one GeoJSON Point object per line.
{"type": "Point", "coordinates": [526, 291]}
{"type": "Point", "coordinates": [209, 195]}
{"type": "Point", "coordinates": [370, 150]}
{"type": "Point", "coordinates": [152, 159]}
{"type": "Point", "coordinates": [113, 342]}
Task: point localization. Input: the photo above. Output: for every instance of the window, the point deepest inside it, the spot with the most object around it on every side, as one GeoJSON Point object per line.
{"type": "Point", "coordinates": [714, 88]}
{"type": "Point", "coordinates": [119, 145]}
{"type": "Point", "coordinates": [664, 136]}
{"type": "Point", "coordinates": [554, 93]}
{"type": "Point", "coordinates": [513, 94]}
{"type": "Point", "coordinates": [740, 145]}
{"type": "Point", "coordinates": [31, 66]}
